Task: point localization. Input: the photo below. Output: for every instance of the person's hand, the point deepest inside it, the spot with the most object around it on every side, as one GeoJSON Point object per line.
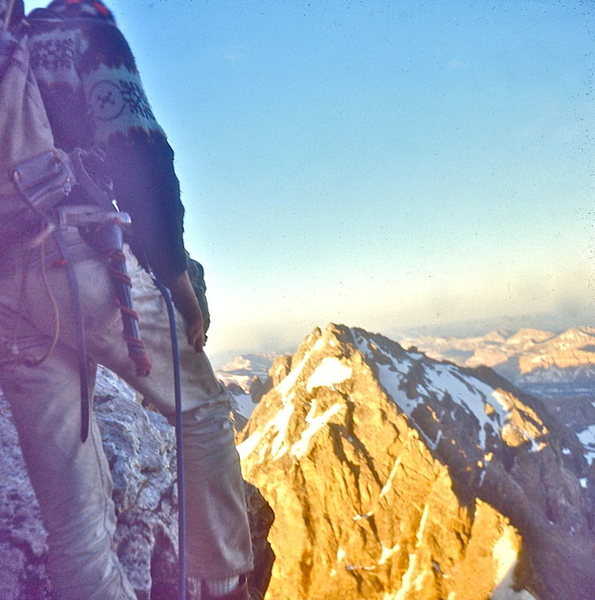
{"type": "Point", "coordinates": [185, 301]}
{"type": "Point", "coordinates": [196, 333]}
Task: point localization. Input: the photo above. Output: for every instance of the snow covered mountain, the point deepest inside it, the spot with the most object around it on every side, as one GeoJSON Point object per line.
{"type": "Point", "coordinates": [395, 476]}
{"type": "Point", "coordinates": [246, 378]}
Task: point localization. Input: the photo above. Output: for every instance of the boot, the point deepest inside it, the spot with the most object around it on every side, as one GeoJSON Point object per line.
{"type": "Point", "coordinates": [240, 593]}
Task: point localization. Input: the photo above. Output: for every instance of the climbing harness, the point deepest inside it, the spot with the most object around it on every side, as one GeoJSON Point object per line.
{"type": "Point", "coordinates": [179, 441]}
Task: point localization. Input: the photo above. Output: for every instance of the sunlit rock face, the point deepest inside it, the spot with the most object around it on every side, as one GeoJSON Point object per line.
{"type": "Point", "coordinates": [397, 477]}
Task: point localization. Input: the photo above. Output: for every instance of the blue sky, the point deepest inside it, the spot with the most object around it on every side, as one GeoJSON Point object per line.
{"type": "Point", "coordinates": [383, 164]}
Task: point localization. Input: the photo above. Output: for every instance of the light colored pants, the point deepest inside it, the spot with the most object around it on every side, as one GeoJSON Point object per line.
{"type": "Point", "coordinates": [71, 479]}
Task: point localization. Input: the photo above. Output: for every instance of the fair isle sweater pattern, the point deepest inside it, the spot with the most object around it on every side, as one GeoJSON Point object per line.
{"type": "Point", "coordinates": [115, 98]}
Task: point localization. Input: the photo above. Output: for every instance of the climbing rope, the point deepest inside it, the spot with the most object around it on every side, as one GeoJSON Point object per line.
{"type": "Point", "coordinates": [179, 441]}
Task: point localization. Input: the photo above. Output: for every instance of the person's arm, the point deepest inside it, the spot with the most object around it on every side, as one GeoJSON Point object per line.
{"type": "Point", "coordinates": [140, 162]}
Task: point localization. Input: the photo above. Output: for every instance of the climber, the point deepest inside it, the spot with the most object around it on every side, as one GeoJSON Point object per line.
{"type": "Point", "coordinates": [95, 101]}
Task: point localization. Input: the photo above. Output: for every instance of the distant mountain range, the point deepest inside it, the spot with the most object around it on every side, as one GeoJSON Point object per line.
{"type": "Point", "coordinates": [397, 476]}
{"type": "Point", "coordinates": [239, 373]}
{"type": "Point", "coordinates": [541, 362]}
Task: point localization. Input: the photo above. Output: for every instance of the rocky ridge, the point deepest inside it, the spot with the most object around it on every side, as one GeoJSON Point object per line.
{"type": "Point", "coordinates": [395, 476]}
{"type": "Point", "coordinates": [559, 369]}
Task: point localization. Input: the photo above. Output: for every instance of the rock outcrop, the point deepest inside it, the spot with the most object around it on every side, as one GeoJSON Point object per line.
{"type": "Point", "coordinates": [394, 476]}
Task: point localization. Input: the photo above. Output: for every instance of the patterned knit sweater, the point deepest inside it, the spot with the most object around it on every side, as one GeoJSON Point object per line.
{"type": "Point", "coordinates": [94, 97]}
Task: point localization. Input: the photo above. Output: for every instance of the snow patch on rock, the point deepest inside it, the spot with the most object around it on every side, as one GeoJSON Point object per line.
{"type": "Point", "coordinates": [587, 438]}
{"type": "Point", "coordinates": [315, 424]}
{"type": "Point", "coordinates": [329, 372]}
{"type": "Point", "coordinates": [506, 554]}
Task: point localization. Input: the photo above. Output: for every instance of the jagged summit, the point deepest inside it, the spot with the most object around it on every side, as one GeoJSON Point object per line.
{"type": "Point", "coordinates": [581, 334]}
{"type": "Point", "coordinates": [415, 383]}
{"type": "Point", "coordinates": [248, 363]}
{"type": "Point", "coordinates": [395, 475]}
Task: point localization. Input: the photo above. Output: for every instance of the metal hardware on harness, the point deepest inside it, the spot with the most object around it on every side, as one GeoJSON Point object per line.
{"type": "Point", "coordinates": [179, 441]}
{"type": "Point", "coordinates": [29, 192]}
{"type": "Point", "coordinates": [40, 182]}
{"type": "Point", "coordinates": [86, 215]}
